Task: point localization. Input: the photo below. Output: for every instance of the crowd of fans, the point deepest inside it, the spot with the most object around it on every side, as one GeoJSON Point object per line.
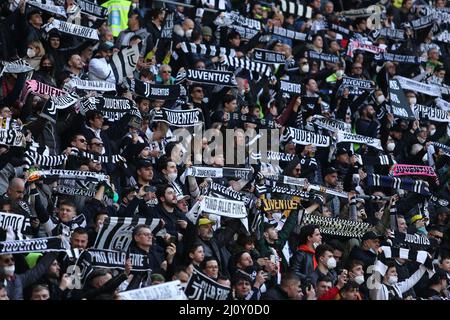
{"type": "Point", "coordinates": [275, 254]}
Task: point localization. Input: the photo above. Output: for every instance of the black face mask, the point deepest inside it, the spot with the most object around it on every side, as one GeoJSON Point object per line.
{"type": "Point", "coordinates": [47, 69]}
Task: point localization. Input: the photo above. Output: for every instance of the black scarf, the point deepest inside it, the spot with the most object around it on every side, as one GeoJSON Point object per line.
{"type": "Point", "coordinates": [156, 91]}
{"type": "Point", "coordinates": [111, 108]}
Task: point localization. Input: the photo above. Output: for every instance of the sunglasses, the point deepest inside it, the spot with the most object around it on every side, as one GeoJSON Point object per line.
{"type": "Point", "coordinates": [82, 140]}
{"type": "Point", "coordinates": [166, 71]}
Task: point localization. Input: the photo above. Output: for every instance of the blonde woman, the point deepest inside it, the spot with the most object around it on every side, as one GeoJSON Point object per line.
{"type": "Point", "coordinates": [35, 52]}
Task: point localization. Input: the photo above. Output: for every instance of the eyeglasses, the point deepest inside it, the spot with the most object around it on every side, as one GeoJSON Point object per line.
{"type": "Point", "coordinates": [166, 71]}
{"type": "Point", "coordinates": [149, 235]}
{"type": "Point", "coordinates": [82, 140]}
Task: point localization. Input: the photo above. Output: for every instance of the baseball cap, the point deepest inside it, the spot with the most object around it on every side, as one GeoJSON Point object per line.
{"type": "Point", "coordinates": [143, 164]}
{"type": "Point", "coordinates": [205, 221]}
{"type": "Point", "coordinates": [330, 170]}
{"type": "Point", "coordinates": [183, 197]}
{"type": "Point", "coordinates": [417, 217]}
{"type": "Point", "coordinates": [106, 46]}
{"type": "Point", "coordinates": [371, 235]}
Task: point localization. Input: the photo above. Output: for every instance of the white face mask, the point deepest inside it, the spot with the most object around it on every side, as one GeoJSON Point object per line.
{"type": "Point", "coordinates": [380, 99]}
{"type": "Point", "coordinates": [315, 245]}
{"type": "Point", "coordinates": [305, 68]}
{"type": "Point", "coordinates": [339, 73]}
{"type": "Point", "coordinates": [331, 263]}
{"type": "Point", "coordinates": [179, 31]}
{"type": "Point", "coordinates": [392, 280]}
{"type": "Point", "coordinates": [390, 146]}
{"type": "Point", "coordinates": [172, 176]}
{"type": "Point", "coordinates": [359, 279]}
{"type": "Point", "coordinates": [432, 132]}
{"type": "Point", "coordinates": [9, 270]}
{"type": "Point", "coordinates": [413, 101]}
{"type": "Point", "coordinates": [31, 53]}
{"type": "Point", "coordinates": [189, 33]}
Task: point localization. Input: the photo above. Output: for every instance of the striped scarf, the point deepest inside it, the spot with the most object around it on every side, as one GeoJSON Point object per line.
{"type": "Point", "coordinates": [247, 64]}
{"type": "Point", "coordinates": [418, 186]}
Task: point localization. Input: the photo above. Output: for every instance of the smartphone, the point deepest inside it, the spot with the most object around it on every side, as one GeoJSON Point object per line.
{"type": "Point", "coordinates": [149, 189]}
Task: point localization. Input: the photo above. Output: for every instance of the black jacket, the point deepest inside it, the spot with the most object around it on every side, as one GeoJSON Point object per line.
{"type": "Point", "coordinates": [302, 263]}
{"type": "Point", "coordinates": [275, 293]}
{"type": "Point", "coordinates": [365, 256]}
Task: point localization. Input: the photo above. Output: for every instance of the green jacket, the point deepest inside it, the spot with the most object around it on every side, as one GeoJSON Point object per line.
{"type": "Point", "coordinates": [118, 15]}
{"type": "Point", "coordinates": [283, 237]}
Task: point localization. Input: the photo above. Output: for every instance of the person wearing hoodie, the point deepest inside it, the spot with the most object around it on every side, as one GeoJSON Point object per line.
{"type": "Point", "coordinates": [15, 283]}
{"type": "Point", "coordinates": [304, 262]}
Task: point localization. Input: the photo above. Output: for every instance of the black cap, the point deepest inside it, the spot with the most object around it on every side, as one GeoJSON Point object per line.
{"type": "Point", "coordinates": [268, 225]}
{"type": "Point", "coordinates": [144, 164]}
{"type": "Point", "coordinates": [329, 170]}
{"type": "Point", "coordinates": [341, 151]}
{"type": "Point", "coordinates": [371, 235]}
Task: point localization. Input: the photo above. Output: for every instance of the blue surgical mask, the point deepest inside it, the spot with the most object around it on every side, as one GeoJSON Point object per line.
{"type": "Point", "coordinates": [422, 230]}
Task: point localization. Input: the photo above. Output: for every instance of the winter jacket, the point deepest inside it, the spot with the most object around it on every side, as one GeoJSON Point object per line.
{"type": "Point", "coordinates": [303, 262]}
{"type": "Point", "coordinates": [15, 286]}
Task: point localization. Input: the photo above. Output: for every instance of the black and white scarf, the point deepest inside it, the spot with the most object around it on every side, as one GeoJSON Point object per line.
{"type": "Point", "coordinates": [259, 122]}
{"type": "Point", "coordinates": [227, 192]}
{"type": "Point", "coordinates": [179, 118]}
{"type": "Point", "coordinates": [391, 34]}
{"type": "Point", "coordinates": [245, 33]}
{"type": "Point", "coordinates": [443, 36]}
{"type": "Point", "coordinates": [32, 158]}
{"type": "Point", "coordinates": [167, 29]}
{"type": "Point", "coordinates": [212, 172]}
{"type": "Point", "coordinates": [112, 259]}
{"type": "Point", "coordinates": [215, 4]}
{"type": "Point", "coordinates": [17, 66]}
{"type": "Point", "coordinates": [11, 137]}
{"type": "Point", "coordinates": [298, 10]}
{"type": "Point", "coordinates": [397, 98]}
{"type": "Point", "coordinates": [268, 56]}
{"type": "Point", "coordinates": [290, 87]}
{"type": "Point", "coordinates": [331, 124]}
{"type": "Point", "coordinates": [273, 156]}
{"type": "Point", "coordinates": [304, 137]}
{"type": "Point", "coordinates": [422, 22]}
{"type": "Point", "coordinates": [247, 64]}
{"type": "Point", "coordinates": [223, 207]}
{"type": "Point", "coordinates": [212, 77]}
{"type": "Point", "coordinates": [235, 18]}
{"type": "Point", "coordinates": [386, 56]}
{"type": "Point", "coordinates": [428, 89]}
{"type": "Point", "coordinates": [287, 180]}
{"type": "Point", "coordinates": [51, 107]}
{"type": "Point", "coordinates": [418, 186]}
{"type": "Point", "coordinates": [207, 50]}
{"type": "Point", "coordinates": [358, 13]}
{"type": "Point", "coordinates": [281, 189]}
{"type": "Point", "coordinates": [111, 108]}
{"type": "Point", "coordinates": [336, 226]}
{"type": "Point", "coordinates": [50, 244]}
{"type": "Point", "coordinates": [116, 234]}
{"type": "Point", "coordinates": [384, 160]}
{"type": "Point", "coordinates": [171, 290]}
{"type": "Point", "coordinates": [13, 222]}
{"type": "Point", "coordinates": [58, 10]}
{"type": "Point", "coordinates": [291, 34]}
{"type": "Point", "coordinates": [357, 138]}
{"type": "Point", "coordinates": [89, 85]}
{"type": "Point", "coordinates": [443, 147]}
{"type": "Point", "coordinates": [420, 256]}
{"type": "Point", "coordinates": [357, 83]}
{"type": "Point", "coordinates": [346, 33]}
{"type": "Point", "coordinates": [322, 56]}
{"type": "Point", "coordinates": [92, 9]}
{"type": "Point", "coordinates": [430, 113]}
{"type": "Point", "coordinates": [67, 174]}
{"type": "Point", "coordinates": [156, 91]}
{"type": "Point", "coordinates": [73, 29]}
{"type": "Point", "coordinates": [124, 62]}
{"type": "Point", "coordinates": [202, 287]}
